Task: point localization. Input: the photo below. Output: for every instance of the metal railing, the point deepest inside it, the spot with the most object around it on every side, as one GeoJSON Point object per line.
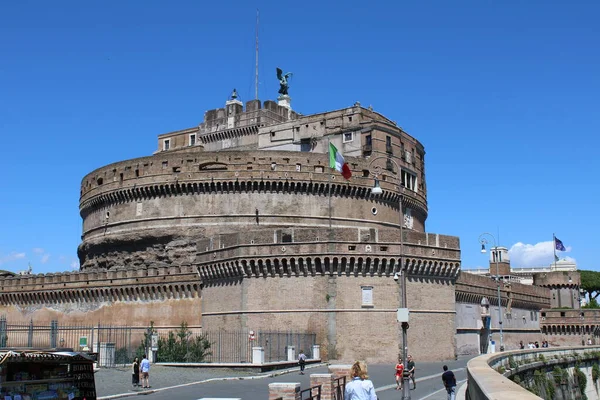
{"type": "Point", "coordinates": [339, 387]}
{"type": "Point", "coordinates": [309, 393]}
{"type": "Point", "coordinates": [118, 345]}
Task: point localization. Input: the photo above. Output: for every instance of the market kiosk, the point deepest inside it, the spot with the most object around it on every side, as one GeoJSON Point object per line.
{"type": "Point", "coordinates": [46, 375]}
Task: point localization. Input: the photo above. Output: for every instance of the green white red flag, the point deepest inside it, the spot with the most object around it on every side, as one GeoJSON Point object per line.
{"type": "Point", "coordinates": [336, 161]}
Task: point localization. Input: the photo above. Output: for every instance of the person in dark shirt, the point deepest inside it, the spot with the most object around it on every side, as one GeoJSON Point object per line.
{"type": "Point", "coordinates": [411, 370]}
{"type": "Point", "coordinates": [449, 382]}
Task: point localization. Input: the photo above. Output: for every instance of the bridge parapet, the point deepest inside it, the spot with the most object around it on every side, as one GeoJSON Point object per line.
{"type": "Point", "coordinates": [488, 376]}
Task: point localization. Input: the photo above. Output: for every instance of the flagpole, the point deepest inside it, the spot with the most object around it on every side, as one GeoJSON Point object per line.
{"type": "Point", "coordinates": [330, 174]}
{"type": "Point", "coordinates": [554, 247]}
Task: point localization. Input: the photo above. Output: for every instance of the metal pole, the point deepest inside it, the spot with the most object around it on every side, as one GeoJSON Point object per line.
{"type": "Point", "coordinates": [405, 388]}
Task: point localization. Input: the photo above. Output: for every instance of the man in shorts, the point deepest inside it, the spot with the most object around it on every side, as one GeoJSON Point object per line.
{"type": "Point", "coordinates": [145, 369]}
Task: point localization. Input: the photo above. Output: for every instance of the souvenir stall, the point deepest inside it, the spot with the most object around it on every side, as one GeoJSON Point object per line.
{"type": "Point", "coordinates": [46, 375]}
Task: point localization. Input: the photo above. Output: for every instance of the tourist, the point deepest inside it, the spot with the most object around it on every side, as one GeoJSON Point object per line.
{"type": "Point", "coordinates": [135, 373]}
{"type": "Point", "coordinates": [360, 387]}
{"type": "Point", "coordinates": [521, 345]}
{"type": "Point", "coordinates": [449, 382]}
{"type": "Point", "coordinates": [399, 373]}
{"type": "Point", "coordinates": [302, 361]}
{"type": "Point", "coordinates": [411, 371]}
{"type": "Point", "coordinates": [145, 367]}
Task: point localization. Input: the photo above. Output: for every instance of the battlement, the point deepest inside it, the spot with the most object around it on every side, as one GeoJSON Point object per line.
{"type": "Point", "coordinates": [471, 288]}
{"type": "Point", "coordinates": [101, 278]}
{"type": "Point", "coordinates": [557, 279]}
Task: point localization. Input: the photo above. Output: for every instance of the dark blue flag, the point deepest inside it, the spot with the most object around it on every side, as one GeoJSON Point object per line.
{"type": "Point", "coordinates": [559, 245]}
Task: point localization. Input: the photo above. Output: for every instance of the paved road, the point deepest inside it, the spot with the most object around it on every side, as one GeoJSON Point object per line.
{"type": "Point", "coordinates": [192, 384]}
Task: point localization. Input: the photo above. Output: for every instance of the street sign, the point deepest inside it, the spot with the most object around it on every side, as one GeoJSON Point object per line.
{"type": "Point", "coordinates": [83, 341]}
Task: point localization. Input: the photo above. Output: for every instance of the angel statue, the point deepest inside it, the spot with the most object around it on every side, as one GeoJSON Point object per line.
{"type": "Point", "coordinates": [283, 81]}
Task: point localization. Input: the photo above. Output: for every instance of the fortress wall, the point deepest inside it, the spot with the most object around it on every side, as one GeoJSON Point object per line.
{"type": "Point", "coordinates": [169, 312]}
{"type": "Point", "coordinates": [223, 306]}
{"type": "Point", "coordinates": [332, 306]}
{"type": "Point", "coordinates": [167, 295]}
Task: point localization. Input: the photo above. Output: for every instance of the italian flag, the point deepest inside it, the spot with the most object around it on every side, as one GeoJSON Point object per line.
{"type": "Point", "coordinates": [336, 161]}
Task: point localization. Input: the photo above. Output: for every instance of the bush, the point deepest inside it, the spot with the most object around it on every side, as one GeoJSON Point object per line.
{"type": "Point", "coordinates": [595, 373]}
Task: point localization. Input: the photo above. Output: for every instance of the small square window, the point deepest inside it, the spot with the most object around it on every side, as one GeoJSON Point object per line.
{"type": "Point", "coordinates": [367, 296]}
{"type": "Point", "coordinates": [166, 144]}
{"type": "Point", "coordinates": [298, 167]}
{"type": "Point", "coordinates": [348, 137]}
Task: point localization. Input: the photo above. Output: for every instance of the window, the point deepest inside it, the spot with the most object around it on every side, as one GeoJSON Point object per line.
{"type": "Point", "coordinates": [166, 144]}
{"type": "Point", "coordinates": [409, 180]}
{"type": "Point", "coordinates": [298, 167]}
{"type": "Point", "coordinates": [388, 144]}
{"type": "Point", "coordinates": [367, 296]}
{"type": "Point", "coordinates": [192, 139]}
{"type": "Point", "coordinates": [305, 145]}
{"type": "Point", "coordinates": [286, 238]}
{"type": "Point", "coordinates": [348, 137]}
{"type": "Point", "coordinates": [318, 168]}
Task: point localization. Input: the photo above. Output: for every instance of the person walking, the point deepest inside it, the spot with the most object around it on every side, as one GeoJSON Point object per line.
{"type": "Point", "coordinates": [449, 382]}
{"type": "Point", "coordinates": [360, 387]}
{"type": "Point", "coordinates": [399, 373]}
{"type": "Point", "coordinates": [145, 367]}
{"type": "Point", "coordinates": [135, 373]}
{"type": "Point", "coordinates": [411, 370]}
{"type": "Point", "coordinates": [302, 361]}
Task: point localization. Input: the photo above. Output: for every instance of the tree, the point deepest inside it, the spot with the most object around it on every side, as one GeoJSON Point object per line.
{"type": "Point", "coordinates": [590, 283]}
{"type": "Point", "coordinates": [181, 347]}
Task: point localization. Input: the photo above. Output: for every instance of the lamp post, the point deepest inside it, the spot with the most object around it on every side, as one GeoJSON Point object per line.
{"type": "Point", "coordinates": [483, 242]}
{"type": "Point", "coordinates": [402, 316]}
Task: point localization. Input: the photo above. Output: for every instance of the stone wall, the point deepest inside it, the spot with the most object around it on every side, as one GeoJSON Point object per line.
{"type": "Point", "coordinates": [120, 297]}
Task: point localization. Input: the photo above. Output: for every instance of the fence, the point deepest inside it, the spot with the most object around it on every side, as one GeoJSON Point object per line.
{"type": "Point", "coordinates": [117, 345]}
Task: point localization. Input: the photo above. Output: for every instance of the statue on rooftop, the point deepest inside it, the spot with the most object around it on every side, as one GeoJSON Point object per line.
{"type": "Point", "coordinates": [283, 81]}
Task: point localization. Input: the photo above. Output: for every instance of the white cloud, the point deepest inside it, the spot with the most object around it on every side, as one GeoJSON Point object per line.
{"type": "Point", "coordinates": [75, 265]}
{"type": "Point", "coordinates": [37, 250]}
{"type": "Point", "coordinates": [45, 258]}
{"type": "Point", "coordinates": [535, 255]}
{"type": "Point", "coordinates": [11, 257]}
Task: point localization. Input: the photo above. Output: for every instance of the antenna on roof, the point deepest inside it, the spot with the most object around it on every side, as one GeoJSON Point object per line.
{"type": "Point", "coordinates": [256, 68]}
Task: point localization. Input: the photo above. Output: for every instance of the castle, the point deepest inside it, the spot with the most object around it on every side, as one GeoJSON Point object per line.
{"type": "Point", "coordinates": [239, 223]}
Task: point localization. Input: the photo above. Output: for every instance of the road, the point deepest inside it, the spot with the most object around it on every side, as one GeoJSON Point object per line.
{"type": "Point", "coordinates": [429, 384]}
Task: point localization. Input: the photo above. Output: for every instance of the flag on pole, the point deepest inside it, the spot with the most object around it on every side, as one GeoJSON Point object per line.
{"type": "Point", "coordinates": [336, 161]}
{"type": "Point", "coordinates": [556, 258]}
{"type": "Point", "coordinates": [558, 244]}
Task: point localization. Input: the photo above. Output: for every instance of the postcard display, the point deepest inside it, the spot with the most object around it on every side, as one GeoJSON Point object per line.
{"type": "Point", "coordinates": [46, 378]}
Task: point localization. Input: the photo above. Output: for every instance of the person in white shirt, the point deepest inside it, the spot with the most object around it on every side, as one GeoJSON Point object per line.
{"type": "Point", "coordinates": [145, 369]}
{"type": "Point", "coordinates": [360, 387]}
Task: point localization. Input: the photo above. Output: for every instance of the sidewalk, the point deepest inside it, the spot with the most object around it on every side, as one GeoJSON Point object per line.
{"type": "Point", "coordinates": [113, 381]}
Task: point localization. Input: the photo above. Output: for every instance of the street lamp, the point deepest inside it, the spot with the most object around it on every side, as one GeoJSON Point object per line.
{"type": "Point", "coordinates": [402, 315]}
{"type": "Point", "coordinates": [495, 251]}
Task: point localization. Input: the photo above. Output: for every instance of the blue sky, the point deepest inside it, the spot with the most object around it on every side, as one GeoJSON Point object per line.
{"type": "Point", "coordinates": [504, 96]}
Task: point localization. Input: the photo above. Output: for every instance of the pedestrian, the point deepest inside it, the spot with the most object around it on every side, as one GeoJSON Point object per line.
{"type": "Point", "coordinates": [449, 382]}
{"type": "Point", "coordinates": [145, 367]}
{"type": "Point", "coordinates": [411, 371]}
{"type": "Point", "coordinates": [521, 345]}
{"type": "Point", "coordinates": [302, 361]}
{"type": "Point", "coordinates": [360, 387]}
{"type": "Point", "coordinates": [399, 373]}
{"type": "Point", "coordinates": [135, 373]}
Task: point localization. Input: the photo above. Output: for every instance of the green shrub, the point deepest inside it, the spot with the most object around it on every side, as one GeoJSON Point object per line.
{"type": "Point", "coordinates": [581, 380]}
{"type": "Point", "coordinates": [595, 372]}
{"type": "Point", "coordinates": [511, 362]}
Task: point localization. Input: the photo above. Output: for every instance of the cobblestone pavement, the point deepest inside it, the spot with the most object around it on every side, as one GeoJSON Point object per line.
{"type": "Point", "coordinates": [112, 381]}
